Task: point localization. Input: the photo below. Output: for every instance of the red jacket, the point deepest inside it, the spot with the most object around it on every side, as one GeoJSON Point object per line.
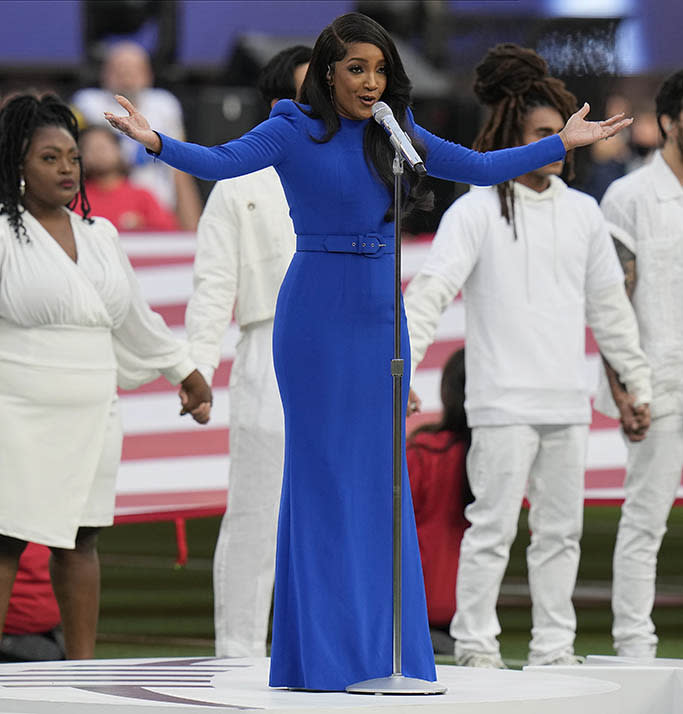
{"type": "Point", "coordinates": [32, 607]}
{"type": "Point", "coordinates": [129, 208]}
{"type": "Point", "coordinates": [439, 486]}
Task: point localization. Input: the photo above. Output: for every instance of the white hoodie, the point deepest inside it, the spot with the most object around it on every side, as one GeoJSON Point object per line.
{"type": "Point", "coordinates": [527, 302]}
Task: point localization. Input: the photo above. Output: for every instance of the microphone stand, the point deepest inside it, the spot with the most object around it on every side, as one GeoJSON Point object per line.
{"type": "Point", "coordinates": [397, 683]}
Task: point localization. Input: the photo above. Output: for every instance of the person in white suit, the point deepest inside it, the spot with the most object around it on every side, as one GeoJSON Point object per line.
{"type": "Point", "coordinates": [245, 242]}
{"type": "Point", "coordinates": [645, 212]}
{"type": "Point", "coordinates": [535, 262]}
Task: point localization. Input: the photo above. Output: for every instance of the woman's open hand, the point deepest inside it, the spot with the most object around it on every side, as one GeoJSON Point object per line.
{"type": "Point", "coordinates": [579, 132]}
{"type": "Point", "coordinates": [135, 125]}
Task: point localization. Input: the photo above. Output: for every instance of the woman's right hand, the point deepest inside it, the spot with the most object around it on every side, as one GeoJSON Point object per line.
{"type": "Point", "coordinates": [134, 125]}
{"type": "Point", "coordinates": [579, 132]}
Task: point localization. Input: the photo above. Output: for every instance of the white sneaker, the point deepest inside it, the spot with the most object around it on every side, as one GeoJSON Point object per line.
{"type": "Point", "coordinates": [646, 652]}
{"type": "Point", "coordinates": [480, 659]}
{"type": "Point", "coordinates": [564, 660]}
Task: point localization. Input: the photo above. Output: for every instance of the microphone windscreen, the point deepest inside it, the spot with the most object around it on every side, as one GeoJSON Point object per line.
{"type": "Point", "coordinates": [380, 111]}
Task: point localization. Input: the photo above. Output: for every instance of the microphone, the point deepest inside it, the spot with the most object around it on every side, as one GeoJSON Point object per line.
{"type": "Point", "coordinates": [383, 115]}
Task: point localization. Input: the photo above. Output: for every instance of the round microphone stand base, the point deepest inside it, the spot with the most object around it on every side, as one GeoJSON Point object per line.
{"type": "Point", "coordinates": [396, 684]}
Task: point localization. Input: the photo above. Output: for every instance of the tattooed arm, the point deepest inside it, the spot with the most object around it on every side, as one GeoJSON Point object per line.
{"type": "Point", "coordinates": [635, 421]}
{"type": "Point", "coordinates": [628, 264]}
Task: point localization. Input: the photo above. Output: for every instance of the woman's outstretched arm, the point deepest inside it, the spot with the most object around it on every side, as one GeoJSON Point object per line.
{"type": "Point", "coordinates": [456, 163]}
{"type": "Point", "coordinates": [265, 145]}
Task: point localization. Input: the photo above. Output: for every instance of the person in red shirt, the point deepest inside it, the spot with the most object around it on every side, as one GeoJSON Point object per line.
{"type": "Point", "coordinates": [32, 630]}
{"type": "Point", "coordinates": [438, 482]}
{"type": "Point", "coordinates": [110, 192]}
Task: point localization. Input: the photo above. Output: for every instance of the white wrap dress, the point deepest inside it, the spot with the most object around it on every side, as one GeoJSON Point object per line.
{"type": "Point", "coordinates": [68, 332]}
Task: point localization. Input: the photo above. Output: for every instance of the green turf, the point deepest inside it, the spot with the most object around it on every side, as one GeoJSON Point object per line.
{"type": "Point", "coordinates": [152, 609]}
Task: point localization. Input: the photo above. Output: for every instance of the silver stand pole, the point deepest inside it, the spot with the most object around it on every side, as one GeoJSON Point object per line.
{"type": "Point", "coordinates": [397, 683]}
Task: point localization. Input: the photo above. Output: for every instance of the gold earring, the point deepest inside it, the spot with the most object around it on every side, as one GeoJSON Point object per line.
{"type": "Point", "coordinates": [22, 186]}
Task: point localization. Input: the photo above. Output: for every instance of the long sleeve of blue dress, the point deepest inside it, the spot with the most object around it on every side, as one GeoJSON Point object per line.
{"type": "Point", "coordinates": [280, 139]}
{"type": "Point", "coordinates": [447, 160]}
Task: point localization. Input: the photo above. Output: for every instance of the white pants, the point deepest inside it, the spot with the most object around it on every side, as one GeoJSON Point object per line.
{"type": "Point", "coordinates": [653, 475]}
{"type": "Point", "coordinates": [501, 462]}
{"type": "Point", "coordinates": [244, 561]}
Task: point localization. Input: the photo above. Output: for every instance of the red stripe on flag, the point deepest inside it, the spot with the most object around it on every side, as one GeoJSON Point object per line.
{"type": "Point", "coordinates": [165, 506]}
{"type": "Point", "coordinates": [600, 421]}
{"type": "Point", "coordinates": [605, 478]}
{"type": "Point", "coordinates": [175, 444]}
{"type": "Point", "coordinates": [161, 384]}
{"type": "Point", "coordinates": [591, 344]}
{"type": "Point", "coordinates": [154, 261]}
{"type": "Point", "coordinates": [169, 498]}
{"type": "Point", "coordinates": [438, 352]}
{"type": "Point", "coordinates": [408, 238]}
{"type": "Point", "coordinates": [174, 315]}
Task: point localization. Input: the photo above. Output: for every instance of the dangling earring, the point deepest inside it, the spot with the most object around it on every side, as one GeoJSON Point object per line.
{"type": "Point", "coordinates": [22, 186]}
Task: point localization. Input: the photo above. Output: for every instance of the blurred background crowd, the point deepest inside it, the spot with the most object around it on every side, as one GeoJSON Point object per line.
{"type": "Point", "coordinates": [191, 66]}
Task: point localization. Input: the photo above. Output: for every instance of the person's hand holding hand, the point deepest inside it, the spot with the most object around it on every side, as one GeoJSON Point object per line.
{"type": "Point", "coordinates": [579, 132]}
{"type": "Point", "coordinates": [642, 418]}
{"type": "Point", "coordinates": [635, 421]}
{"type": "Point", "coordinates": [195, 397]}
{"type": "Point", "coordinates": [134, 125]}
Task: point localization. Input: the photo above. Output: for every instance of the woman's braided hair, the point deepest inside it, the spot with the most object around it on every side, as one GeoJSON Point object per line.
{"type": "Point", "coordinates": [19, 118]}
{"type": "Point", "coordinates": [513, 80]}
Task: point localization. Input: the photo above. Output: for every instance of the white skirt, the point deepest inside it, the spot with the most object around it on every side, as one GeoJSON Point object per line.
{"type": "Point", "coordinates": [61, 436]}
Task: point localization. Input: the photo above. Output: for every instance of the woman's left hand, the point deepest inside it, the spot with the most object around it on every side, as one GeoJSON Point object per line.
{"type": "Point", "coordinates": [195, 397]}
{"type": "Point", "coordinates": [579, 132]}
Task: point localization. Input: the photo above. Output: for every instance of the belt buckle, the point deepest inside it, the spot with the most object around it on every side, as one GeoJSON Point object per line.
{"type": "Point", "coordinates": [370, 244]}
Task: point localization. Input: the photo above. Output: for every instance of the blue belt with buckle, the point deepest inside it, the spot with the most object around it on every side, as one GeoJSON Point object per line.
{"type": "Point", "coordinates": [371, 245]}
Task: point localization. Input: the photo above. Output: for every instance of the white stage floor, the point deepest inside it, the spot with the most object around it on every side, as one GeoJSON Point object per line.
{"type": "Point", "coordinates": [653, 686]}
{"type": "Point", "coordinates": [163, 686]}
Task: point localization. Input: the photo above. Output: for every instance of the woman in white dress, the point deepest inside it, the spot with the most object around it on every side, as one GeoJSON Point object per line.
{"type": "Point", "coordinates": [72, 323]}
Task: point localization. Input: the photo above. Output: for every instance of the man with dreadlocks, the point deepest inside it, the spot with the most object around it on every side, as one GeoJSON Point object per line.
{"type": "Point", "coordinates": [645, 210]}
{"type": "Point", "coordinates": [71, 316]}
{"type": "Point", "coordinates": [535, 260]}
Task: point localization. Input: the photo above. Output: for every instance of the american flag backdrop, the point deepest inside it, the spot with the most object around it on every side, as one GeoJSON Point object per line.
{"type": "Point", "coordinates": [174, 467]}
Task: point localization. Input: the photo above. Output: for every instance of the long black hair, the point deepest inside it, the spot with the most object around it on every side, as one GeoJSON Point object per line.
{"type": "Point", "coordinates": [453, 417]}
{"type": "Point", "coordinates": [513, 80]}
{"type": "Point", "coordinates": [19, 119]}
{"type": "Point", "coordinates": [331, 47]}
{"type": "Point", "coordinates": [276, 80]}
{"type": "Point", "coordinates": [669, 99]}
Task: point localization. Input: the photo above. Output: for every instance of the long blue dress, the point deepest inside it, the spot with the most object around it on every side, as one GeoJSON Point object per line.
{"type": "Point", "coordinates": [333, 344]}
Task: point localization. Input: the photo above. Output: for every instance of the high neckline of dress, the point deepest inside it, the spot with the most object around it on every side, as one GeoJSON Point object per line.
{"type": "Point", "coordinates": [352, 122]}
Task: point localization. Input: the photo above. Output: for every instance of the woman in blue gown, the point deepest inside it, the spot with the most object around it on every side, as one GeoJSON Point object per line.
{"type": "Point", "coordinates": [333, 343]}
